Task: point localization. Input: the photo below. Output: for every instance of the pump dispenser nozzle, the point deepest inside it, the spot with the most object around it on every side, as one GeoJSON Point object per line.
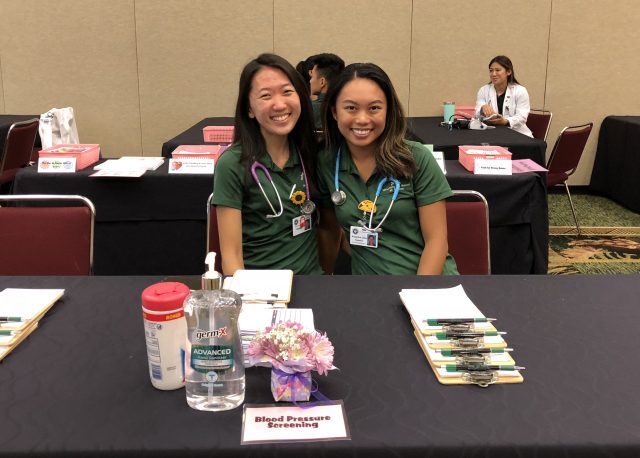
{"type": "Point", "coordinates": [211, 279]}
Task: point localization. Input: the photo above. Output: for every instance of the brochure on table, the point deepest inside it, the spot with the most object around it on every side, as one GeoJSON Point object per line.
{"type": "Point", "coordinates": [127, 166]}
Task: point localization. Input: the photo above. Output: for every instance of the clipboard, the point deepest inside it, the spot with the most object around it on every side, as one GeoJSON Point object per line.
{"type": "Point", "coordinates": [17, 340]}
{"type": "Point", "coordinates": [458, 380]}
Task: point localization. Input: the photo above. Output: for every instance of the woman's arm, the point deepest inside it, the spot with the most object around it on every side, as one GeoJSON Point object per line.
{"type": "Point", "coordinates": [522, 107]}
{"type": "Point", "coordinates": [433, 225]}
{"type": "Point", "coordinates": [230, 233]}
{"type": "Point", "coordinates": [328, 239]}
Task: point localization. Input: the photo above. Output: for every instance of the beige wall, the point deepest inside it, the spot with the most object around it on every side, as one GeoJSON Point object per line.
{"type": "Point", "coordinates": [138, 72]}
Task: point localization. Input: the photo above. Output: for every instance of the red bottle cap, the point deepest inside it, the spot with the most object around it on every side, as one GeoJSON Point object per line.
{"type": "Point", "coordinates": [164, 297]}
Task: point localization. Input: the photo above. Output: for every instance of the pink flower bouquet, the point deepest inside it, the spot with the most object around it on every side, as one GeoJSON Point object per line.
{"type": "Point", "coordinates": [292, 352]}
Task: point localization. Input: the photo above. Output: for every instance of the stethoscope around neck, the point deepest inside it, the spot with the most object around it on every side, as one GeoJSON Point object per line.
{"type": "Point", "coordinates": [338, 197]}
{"type": "Point", "coordinates": [307, 208]}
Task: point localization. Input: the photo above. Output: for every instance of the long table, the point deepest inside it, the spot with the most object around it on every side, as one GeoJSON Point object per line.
{"type": "Point", "coordinates": [429, 130]}
{"type": "Point", "coordinates": [156, 224]}
{"type": "Point", "coordinates": [79, 385]}
{"type": "Point", "coordinates": [616, 170]}
{"type": "Point", "coordinates": [423, 129]}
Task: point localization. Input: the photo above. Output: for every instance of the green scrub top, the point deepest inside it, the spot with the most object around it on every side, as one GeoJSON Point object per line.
{"type": "Point", "coordinates": [400, 243]}
{"type": "Point", "coordinates": [317, 110]}
{"type": "Point", "coordinates": [267, 243]}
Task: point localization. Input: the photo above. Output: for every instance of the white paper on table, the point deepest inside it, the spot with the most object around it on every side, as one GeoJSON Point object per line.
{"type": "Point", "coordinates": [423, 304]}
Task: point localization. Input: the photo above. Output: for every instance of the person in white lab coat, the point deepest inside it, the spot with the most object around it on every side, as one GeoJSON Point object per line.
{"type": "Point", "coordinates": [503, 101]}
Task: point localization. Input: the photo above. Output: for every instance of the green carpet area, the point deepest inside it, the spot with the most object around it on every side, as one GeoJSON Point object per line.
{"type": "Point", "coordinates": [610, 240]}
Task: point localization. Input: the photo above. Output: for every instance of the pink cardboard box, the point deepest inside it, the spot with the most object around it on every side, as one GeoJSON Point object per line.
{"type": "Point", "coordinates": [85, 155]}
{"type": "Point", "coordinates": [467, 154]}
{"type": "Point", "coordinates": [198, 151]}
{"type": "Point", "coordinates": [218, 134]}
{"type": "Point", "coordinates": [466, 111]}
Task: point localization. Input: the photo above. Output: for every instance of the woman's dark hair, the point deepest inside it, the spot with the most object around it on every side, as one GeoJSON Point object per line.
{"type": "Point", "coordinates": [505, 62]}
{"type": "Point", "coordinates": [393, 155]}
{"type": "Point", "coordinates": [247, 130]}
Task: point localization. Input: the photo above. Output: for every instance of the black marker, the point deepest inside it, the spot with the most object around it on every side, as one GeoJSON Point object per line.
{"type": "Point", "coordinates": [482, 367]}
{"type": "Point", "coordinates": [464, 335]}
{"type": "Point", "coordinates": [472, 351]}
{"type": "Point", "coordinates": [441, 321]}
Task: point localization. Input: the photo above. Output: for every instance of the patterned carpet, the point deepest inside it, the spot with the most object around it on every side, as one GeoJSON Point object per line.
{"type": "Point", "coordinates": [599, 250]}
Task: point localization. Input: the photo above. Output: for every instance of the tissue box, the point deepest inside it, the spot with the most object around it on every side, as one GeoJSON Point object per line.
{"type": "Point", "coordinates": [198, 151]}
{"type": "Point", "coordinates": [466, 111]}
{"type": "Point", "coordinates": [85, 155]}
{"type": "Point", "coordinates": [467, 154]}
{"type": "Point", "coordinates": [218, 134]}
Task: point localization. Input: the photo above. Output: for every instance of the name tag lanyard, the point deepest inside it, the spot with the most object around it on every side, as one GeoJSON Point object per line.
{"type": "Point", "coordinates": [307, 207]}
{"type": "Point", "coordinates": [338, 196]}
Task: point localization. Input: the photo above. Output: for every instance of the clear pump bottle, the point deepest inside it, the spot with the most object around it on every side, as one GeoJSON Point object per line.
{"type": "Point", "coordinates": [214, 366]}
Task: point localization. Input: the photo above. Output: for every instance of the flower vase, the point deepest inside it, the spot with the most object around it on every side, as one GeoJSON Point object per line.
{"type": "Point", "coordinates": [294, 387]}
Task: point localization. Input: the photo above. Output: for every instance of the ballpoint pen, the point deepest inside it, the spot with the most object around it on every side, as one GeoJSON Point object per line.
{"type": "Point", "coordinates": [441, 321]}
{"type": "Point", "coordinates": [481, 367]}
{"type": "Point", "coordinates": [471, 351]}
{"type": "Point", "coordinates": [6, 332]}
{"type": "Point", "coordinates": [7, 319]}
{"type": "Point", "coordinates": [464, 335]}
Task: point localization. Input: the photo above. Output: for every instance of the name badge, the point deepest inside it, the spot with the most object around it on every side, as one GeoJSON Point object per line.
{"type": "Point", "coordinates": [301, 224]}
{"type": "Point", "coordinates": [360, 236]}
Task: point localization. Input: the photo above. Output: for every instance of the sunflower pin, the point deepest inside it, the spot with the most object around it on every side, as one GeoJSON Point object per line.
{"type": "Point", "coordinates": [298, 197]}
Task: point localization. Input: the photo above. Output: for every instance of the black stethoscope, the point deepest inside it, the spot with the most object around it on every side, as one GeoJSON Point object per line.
{"type": "Point", "coordinates": [338, 197]}
{"type": "Point", "coordinates": [307, 208]}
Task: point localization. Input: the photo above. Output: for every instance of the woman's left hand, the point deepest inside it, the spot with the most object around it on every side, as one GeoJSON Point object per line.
{"type": "Point", "coordinates": [499, 121]}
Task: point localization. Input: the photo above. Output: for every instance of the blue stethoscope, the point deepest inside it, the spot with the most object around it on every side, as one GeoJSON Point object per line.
{"type": "Point", "coordinates": [307, 208]}
{"type": "Point", "coordinates": [338, 197]}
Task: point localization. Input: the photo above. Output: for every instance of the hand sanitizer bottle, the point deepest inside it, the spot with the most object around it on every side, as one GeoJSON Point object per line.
{"type": "Point", "coordinates": [214, 362]}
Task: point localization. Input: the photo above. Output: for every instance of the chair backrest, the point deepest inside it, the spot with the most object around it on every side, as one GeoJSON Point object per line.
{"type": "Point", "coordinates": [539, 122]}
{"type": "Point", "coordinates": [18, 146]}
{"type": "Point", "coordinates": [213, 240]}
{"type": "Point", "coordinates": [468, 232]}
{"type": "Point", "coordinates": [46, 240]}
{"type": "Point", "coordinates": [568, 149]}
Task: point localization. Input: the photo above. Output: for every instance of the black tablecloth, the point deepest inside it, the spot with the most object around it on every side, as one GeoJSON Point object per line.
{"type": "Point", "coordinates": [429, 131]}
{"type": "Point", "coordinates": [79, 385]}
{"type": "Point", "coordinates": [426, 130]}
{"type": "Point", "coordinates": [193, 135]}
{"type": "Point", "coordinates": [5, 122]}
{"type": "Point", "coordinates": [616, 170]}
{"type": "Point", "coordinates": [156, 225]}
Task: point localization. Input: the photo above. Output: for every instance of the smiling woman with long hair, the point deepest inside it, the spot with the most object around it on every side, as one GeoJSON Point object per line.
{"type": "Point", "coordinates": [503, 100]}
{"type": "Point", "coordinates": [384, 192]}
{"type": "Point", "coordinates": [262, 183]}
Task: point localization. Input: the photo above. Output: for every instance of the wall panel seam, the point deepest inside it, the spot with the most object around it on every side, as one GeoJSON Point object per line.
{"type": "Point", "coordinates": [4, 96]}
{"type": "Point", "coordinates": [410, 59]}
{"type": "Point", "coordinates": [546, 67]}
{"type": "Point", "coordinates": [135, 36]}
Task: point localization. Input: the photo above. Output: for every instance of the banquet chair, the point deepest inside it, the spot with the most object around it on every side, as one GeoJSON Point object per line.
{"type": "Point", "coordinates": [565, 157]}
{"type": "Point", "coordinates": [539, 122]}
{"type": "Point", "coordinates": [18, 148]}
{"type": "Point", "coordinates": [468, 232]}
{"type": "Point", "coordinates": [46, 235]}
{"type": "Point", "coordinates": [213, 240]}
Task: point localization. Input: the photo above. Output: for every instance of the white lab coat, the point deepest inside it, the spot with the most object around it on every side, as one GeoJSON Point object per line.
{"type": "Point", "coordinates": [515, 108]}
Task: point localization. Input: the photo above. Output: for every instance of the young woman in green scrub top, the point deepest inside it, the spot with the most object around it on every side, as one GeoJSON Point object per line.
{"type": "Point", "coordinates": [262, 189]}
{"type": "Point", "coordinates": [386, 193]}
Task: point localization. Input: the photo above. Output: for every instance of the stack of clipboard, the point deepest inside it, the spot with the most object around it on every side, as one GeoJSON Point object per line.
{"type": "Point", "coordinates": [20, 311]}
{"type": "Point", "coordinates": [462, 346]}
